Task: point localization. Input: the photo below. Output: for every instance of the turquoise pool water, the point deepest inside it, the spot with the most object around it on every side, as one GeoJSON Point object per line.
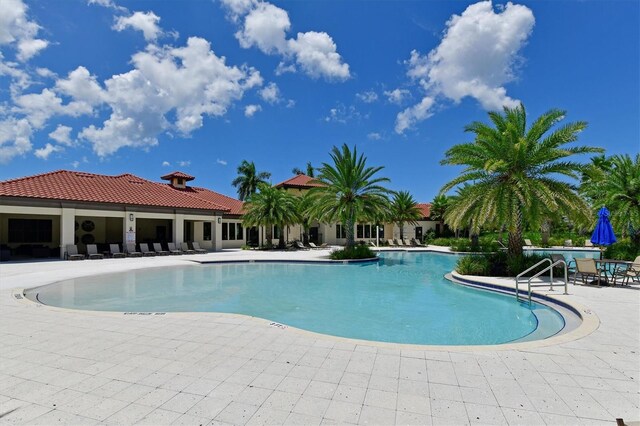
{"type": "Point", "coordinates": [403, 298]}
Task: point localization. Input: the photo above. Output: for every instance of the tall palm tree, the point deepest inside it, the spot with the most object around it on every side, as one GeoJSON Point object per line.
{"type": "Point", "coordinates": [309, 172]}
{"type": "Point", "coordinates": [270, 206]}
{"type": "Point", "coordinates": [350, 191]}
{"type": "Point", "coordinates": [248, 179]}
{"type": "Point", "coordinates": [619, 190]}
{"type": "Point", "coordinates": [511, 173]}
{"type": "Point", "coordinates": [404, 209]}
{"type": "Point", "coordinates": [303, 210]}
{"type": "Point", "coordinates": [438, 209]}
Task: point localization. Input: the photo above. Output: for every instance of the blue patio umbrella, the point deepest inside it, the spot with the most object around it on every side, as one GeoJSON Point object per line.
{"type": "Point", "coordinates": [603, 233]}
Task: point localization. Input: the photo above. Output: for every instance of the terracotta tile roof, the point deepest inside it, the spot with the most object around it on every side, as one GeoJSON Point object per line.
{"type": "Point", "coordinates": [299, 181]}
{"type": "Point", "coordinates": [178, 175]}
{"type": "Point", "coordinates": [234, 206]}
{"type": "Point", "coordinates": [425, 208]}
{"type": "Point", "coordinates": [122, 189]}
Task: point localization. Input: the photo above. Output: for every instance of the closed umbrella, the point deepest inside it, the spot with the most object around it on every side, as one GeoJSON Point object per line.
{"type": "Point", "coordinates": [603, 233]}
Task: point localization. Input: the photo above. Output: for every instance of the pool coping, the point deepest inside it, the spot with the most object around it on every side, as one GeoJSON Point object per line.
{"type": "Point", "coordinates": [590, 321]}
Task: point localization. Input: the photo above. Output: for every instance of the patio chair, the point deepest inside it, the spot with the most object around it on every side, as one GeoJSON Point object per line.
{"type": "Point", "coordinates": [588, 243]}
{"type": "Point", "coordinates": [398, 242]}
{"type": "Point", "coordinates": [314, 246]}
{"type": "Point", "coordinates": [587, 268]}
{"type": "Point", "coordinates": [72, 253]}
{"type": "Point", "coordinates": [157, 247]}
{"type": "Point", "coordinates": [372, 244]}
{"type": "Point", "coordinates": [571, 265]}
{"type": "Point", "coordinates": [144, 248]}
{"type": "Point", "coordinates": [406, 243]}
{"type": "Point", "coordinates": [185, 249]}
{"type": "Point", "coordinates": [527, 243]}
{"type": "Point", "coordinates": [568, 243]}
{"type": "Point", "coordinates": [131, 250]}
{"type": "Point", "coordinates": [92, 252]}
{"type": "Point", "coordinates": [197, 248]}
{"type": "Point", "coordinates": [416, 243]}
{"type": "Point", "coordinates": [299, 245]}
{"type": "Point", "coordinates": [391, 243]}
{"type": "Point", "coordinates": [115, 251]}
{"type": "Point", "coordinates": [631, 272]}
{"type": "Point", "coordinates": [173, 249]}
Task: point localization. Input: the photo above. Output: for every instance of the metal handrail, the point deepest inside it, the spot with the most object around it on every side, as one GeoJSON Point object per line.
{"type": "Point", "coordinates": [525, 271]}
{"type": "Point", "coordinates": [550, 268]}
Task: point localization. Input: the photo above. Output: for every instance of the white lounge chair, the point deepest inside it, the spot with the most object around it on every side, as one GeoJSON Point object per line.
{"type": "Point", "coordinates": [527, 243]}
{"type": "Point", "coordinates": [72, 253]}
{"type": "Point", "coordinates": [588, 243]}
{"type": "Point", "coordinates": [131, 250]}
{"type": "Point", "coordinates": [173, 249]}
{"type": "Point", "coordinates": [144, 248]}
{"type": "Point", "coordinates": [185, 249]}
{"type": "Point", "coordinates": [157, 247]}
{"type": "Point", "coordinates": [92, 252]}
{"type": "Point", "coordinates": [197, 248]}
{"type": "Point", "coordinates": [115, 251]}
{"type": "Point", "coordinates": [568, 243]}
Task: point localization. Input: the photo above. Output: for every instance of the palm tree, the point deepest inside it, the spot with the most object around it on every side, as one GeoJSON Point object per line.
{"type": "Point", "coordinates": [438, 209]}
{"type": "Point", "coordinates": [270, 206]}
{"type": "Point", "coordinates": [248, 179]}
{"type": "Point", "coordinates": [310, 170]}
{"type": "Point", "coordinates": [350, 191]}
{"type": "Point", "coordinates": [511, 173]}
{"type": "Point", "coordinates": [303, 210]}
{"type": "Point", "coordinates": [619, 190]}
{"type": "Point", "coordinates": [404, 209]}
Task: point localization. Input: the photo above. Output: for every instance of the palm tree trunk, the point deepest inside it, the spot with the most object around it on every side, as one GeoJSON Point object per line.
{"type": "Point", "coordinates": [515, 238]}
{"type": "Point", "coordinates": [545, 228]}
{"type": "Point", "coordinates": [268, 231]}
{"type": "Point", "coordinates": [401, 226]}
{"type": "Point", "coordinates": [350, 223]}
{"type": "Point", "coordinates": [281, 239]}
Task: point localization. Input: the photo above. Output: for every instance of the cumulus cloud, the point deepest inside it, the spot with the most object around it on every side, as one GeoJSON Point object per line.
{"type": "Point", "coordinates": [166, 164]}
{"type": "Point", "coordinates": [108, 4]}
{"type": "Point", "coordinates": [62, 135]}
{"type": "Point", "coordinates": [343, 114]}
{"type": "Point", "coordinates": [476, 57]}
{"type": "Point", "coordinates": [374, 136]}
{"type": "Point", "coordinates": [397, 96]}
{"type": "Point", "coordinates": [147, 22]}
{"type": "Point", "coordinates": [18, 32]}
{"type": "Point", "coordinates": [184, 163]}
{"type": "Point", "coordinates": [39, 107]}
{"type": "Point", "coordinates": [15, 138]}
{"type": "Point", "coordinates": [367, 97]}
{"type": "Point", "coordinates": [270, 93]}
{"type": "Point", "coordinates": [265, 26]}
{"type": "Point", "coordinates": [250, 110]}
{"type": "Point", "coordinates": [44, 152]}
{"type": "Point", "coordinates": [221, 162]}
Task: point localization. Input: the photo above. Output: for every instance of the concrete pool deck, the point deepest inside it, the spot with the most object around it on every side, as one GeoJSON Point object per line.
{"type": "Point", "coordinates": [79, 367]}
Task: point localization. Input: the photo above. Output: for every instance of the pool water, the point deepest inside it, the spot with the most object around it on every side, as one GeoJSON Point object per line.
{"type": "Point", "coordinates": [403, 298]}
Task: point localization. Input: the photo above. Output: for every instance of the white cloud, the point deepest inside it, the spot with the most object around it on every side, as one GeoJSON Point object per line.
{"type": "Point", "coordinates": [75, 164]}
{"type": "Point", "coordinates": [82, 87]}
{"type": "Point", "coordinates": [39, 107]}
{"type": "Point", "coordinates": [62, 135]}
{"type": "Point", "coordinates": [374, 136]}
{"type": "Point", "coordinates": [397, 96]}
{"type": "Point", "coordinates": [141, 21]}
{"type": "Point", "coordinates": [15, 138]}
{"type": "Point", "coordinates": [108, 4]}
{"type": "Point", "coordinates": [265, 26]}
{"type": "Point", "coordinates": [46, 73]}
{"type": "Point", "coordinates": [342, 114]}
{"type": "Point", "coordinates": [270, 93]}
{"type": "Point", "coordinates": [17, 31]}
{"type": "Point", "coordinates": [221, 162]}
{"type": "Point", "coordinates": [44, 152]}
{"type": "Point", "coordinates": [185, 163]}
{"type": "Point", "coordinates": [477, 56]}
{"type": "Point", "coordinates": [367, 97]}
{"type": "Point", "coordinates": [166, 164]}
{"type": "Point", "coordinates": [413, 114]}
{"type": "Point", "coordinates": [250, 110]}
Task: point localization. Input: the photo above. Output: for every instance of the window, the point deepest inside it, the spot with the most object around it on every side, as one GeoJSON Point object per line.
{"type": "Point", "coordinates": [239, 231]}
{"type": "Point", "coordinates": [225, 231]}
{"type": "Point", "coordinates": [206, 231]}
{"type": "Point", "coordinates": [367, 231]}
{"type": "Point", "coordinates": [359, 231]}
{"type": "Point", "coordinates": [232, 231]}
{"type": "Point", "coordinates": [341, 232]}
{"type": "Point", "coordinates": [276, 232]}
{"type": "Point", "coordinates": [30, 231]}
{"type": "Point", "coordinates": [381, 231]}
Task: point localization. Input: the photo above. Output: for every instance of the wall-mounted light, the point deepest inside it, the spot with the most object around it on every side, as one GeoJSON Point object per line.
{"type": "Point", "coordinates": [219, 220]}
{"type": "Point", "coordinates": [130, 217]}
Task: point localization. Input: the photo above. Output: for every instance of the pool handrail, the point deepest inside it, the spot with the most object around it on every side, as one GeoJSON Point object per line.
{"type": "Point", "coordinates": [550, 269]}
{"type": "Point", "coordinates": [528, 270]}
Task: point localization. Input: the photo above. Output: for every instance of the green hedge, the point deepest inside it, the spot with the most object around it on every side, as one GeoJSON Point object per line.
{"type": "Point", "coordinates": [356, 252]}
{"type": "Point", "coordinates": [622, 250]}
{"type": "Point", "coordinates": [496, 264]}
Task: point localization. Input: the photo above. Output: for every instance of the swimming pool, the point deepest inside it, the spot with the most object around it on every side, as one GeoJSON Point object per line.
{"type": "Point", "coordinates": [403, 298]}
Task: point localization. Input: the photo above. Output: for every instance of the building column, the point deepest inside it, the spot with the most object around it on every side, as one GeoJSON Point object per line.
{"type": "Point", "coordinates": [217, 233]}
{"type": "Point", "coordinates": [128, 229]}
{"type": "Point", "coordinates": [67, 229]}
{"type": "Point", "coordinates": [178, 229]}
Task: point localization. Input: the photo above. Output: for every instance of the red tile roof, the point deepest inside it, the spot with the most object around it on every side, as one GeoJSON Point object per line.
{"type": "Point", "coordinates": [425, 208]}
{"type": "Point", "coordinates": [234, 206]}
{"type": "Point", "coordinates": [299, 181]}
{"type": "Point", "coordinates": [122, 189]}
{"type": "Point", "coordinates": [178, 175]}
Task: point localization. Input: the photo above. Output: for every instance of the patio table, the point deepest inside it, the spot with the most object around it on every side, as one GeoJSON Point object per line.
{"type": "Point", "coordinates": [613, 266]}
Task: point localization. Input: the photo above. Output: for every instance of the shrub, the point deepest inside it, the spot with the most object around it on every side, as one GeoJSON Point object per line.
{"type": "Point", "coordinates": [355, 252]}
{"type": "Point", "coordinates": [473, 265]}
{"type": "Point", "coordinates": [429, 236]}
{"type": "Point", "coordinates": [622, 250]}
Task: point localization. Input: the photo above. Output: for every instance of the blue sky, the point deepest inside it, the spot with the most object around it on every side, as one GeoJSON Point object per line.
{"type": "Point", "coordinates": [150, 87]}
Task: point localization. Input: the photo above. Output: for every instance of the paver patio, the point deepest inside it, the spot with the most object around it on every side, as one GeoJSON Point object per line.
{"type": "Point", "coordinates": [77, 367]}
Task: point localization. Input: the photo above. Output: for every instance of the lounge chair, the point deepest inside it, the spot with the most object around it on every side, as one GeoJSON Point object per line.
{"type": "Point", "coordinates": [588, 243]}
{"type": "Point", "coordinates": [299, 245]}
{"type": "Point", "coordinates": [144, 248]}
{"type": "Point", "coordinates": [398, 242]}
{"type": "Point", "coordinates": [157, 247]}
{"type": "Point", "coordinates": [115, 251]}
{"type": "Point", "coordinates": [92, 252]}
{"type": "Point", "coordinates": [405, 243]}
{"type": "Point", "coordinates": [72, 253]}
{"type": "Point", "coordinates": [185, 249]}
{"type": "Point", "coordinates": [631, 272]}
{"type": "Point", "coordinates": [417, 243]}
{"type": "Point", "coordinates": [527, 243]}
{"type": "Point", "coordinates": [391, 243]}
{"type": "Point", "coordinates": [131, 250]}
{"type": "Point", "coordinates": [587, 268]}
{"type": "Point", "coordinates": [172, 248]}
{"type": "Point", "coordinates": [568, 243]}
{"type": "Point", "coordinates": [314, 246]}
{"type": "Point", "coordinates": [197, 248]}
